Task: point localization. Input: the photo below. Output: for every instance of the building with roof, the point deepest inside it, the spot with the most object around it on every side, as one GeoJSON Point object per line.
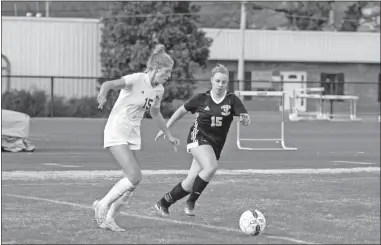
{"type": "Point", "coordinates": [71, 47]}
{"type": "Point", "coordinates": [300, 59]}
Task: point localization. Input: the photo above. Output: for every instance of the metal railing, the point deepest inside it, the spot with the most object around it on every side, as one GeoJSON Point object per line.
{"type": "Point", "coordinates": [80, 87]}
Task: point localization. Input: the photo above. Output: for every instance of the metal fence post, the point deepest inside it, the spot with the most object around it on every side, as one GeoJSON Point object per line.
{"type": "Point", "coordinates": [8, 82]}
{"type": "Point", "coordinates": [52, 96]}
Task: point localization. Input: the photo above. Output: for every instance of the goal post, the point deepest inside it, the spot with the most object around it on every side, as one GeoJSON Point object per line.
{"type": "Point", "coordinates": [281, 139]}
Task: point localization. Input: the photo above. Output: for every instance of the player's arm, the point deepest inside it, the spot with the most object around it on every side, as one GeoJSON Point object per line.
{"type": "Point", "coordinates": [159, 119]}
{"type": "Point", "coordinates": [107, 86]}
{"type": "Point", "coordinates": [118, 84]}
{"type": "Point", "coordinates": [190, 105]}
{"type": "Point", "coordinates": [122, 83]}
{"type": "Point", "coordinates": [179, 113]}
{"type": "Point", "coordinates": [239, 110]}
{"type": "Point", "coordinates": [112, 85]}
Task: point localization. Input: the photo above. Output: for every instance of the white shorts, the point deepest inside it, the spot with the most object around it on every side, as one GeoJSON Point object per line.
{"type": "Point", "coordinates": [122, 133]}
{"type": "Point", "coordinates": [131, 146]}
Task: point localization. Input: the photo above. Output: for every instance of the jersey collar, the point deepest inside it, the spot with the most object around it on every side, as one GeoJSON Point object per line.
{"type": "Point", "coordinates": [215, 100]}
{"type": "Point", "coordinates": [146, 78]}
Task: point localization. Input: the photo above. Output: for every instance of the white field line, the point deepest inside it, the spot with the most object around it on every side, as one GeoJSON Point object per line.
{"type": "Point", "coordinates": [62, 165]}
{"type": "Point", "coordinates": [211, 227]}
{"type": "Point", "coordinates": [141, 162]}
{"type": "Point", "coordinates": [346, 152]}
{"type": "Point", "coordinates": [79, 182]}
{"type": "Point", "coordinates": [361, 163]}
{"type": "Point", "coordinates": [102, 174]}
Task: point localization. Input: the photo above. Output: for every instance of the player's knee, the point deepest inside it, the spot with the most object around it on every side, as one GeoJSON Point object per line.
{"type": "Point", "coordinates": [189, 180]}
{"type": "Point", "coordinates": [211, 168]}
{"type": "Point", "coordinates": [135, 178]}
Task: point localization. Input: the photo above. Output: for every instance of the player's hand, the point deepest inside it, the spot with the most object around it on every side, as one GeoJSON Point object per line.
{"type": "Point", "coordinates": [159, 134]}
{"type": "Point", "coordinates": [101, 101]}
{"type": "Point", "coordinates": [175, 142]}
{"type": "Point", "coordinates": [245, 119]}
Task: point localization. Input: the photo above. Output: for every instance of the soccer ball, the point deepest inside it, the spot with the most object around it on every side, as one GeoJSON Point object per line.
{"type": "Point", "coordinates": [252, 222]}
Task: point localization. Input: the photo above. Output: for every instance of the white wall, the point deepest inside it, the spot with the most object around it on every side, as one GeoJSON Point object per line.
{"type": "Point", "coordinates": [53, 47]}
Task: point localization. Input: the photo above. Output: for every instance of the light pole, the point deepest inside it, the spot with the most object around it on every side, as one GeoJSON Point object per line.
{"type": "Point", "coordinates": [241, 58]}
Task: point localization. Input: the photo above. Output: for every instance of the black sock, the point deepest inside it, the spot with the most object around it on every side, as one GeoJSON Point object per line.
{"type": "Point", "coordinates": [198, 186]}
{"type": "Point", "coordinates": [174, 195]}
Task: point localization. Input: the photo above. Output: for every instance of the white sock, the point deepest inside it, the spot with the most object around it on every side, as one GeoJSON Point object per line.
{"type": "Point", "coordinates": [121, 187]}
{"type": "Point", "coordinates": [116, 206]}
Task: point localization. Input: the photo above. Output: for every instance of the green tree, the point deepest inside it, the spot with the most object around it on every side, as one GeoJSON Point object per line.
{"type": "Point", "coordinates": [307, 15]}
{"type": "Point", "coordinates": [130, 31]}
{"type": "Point", "coordinates": [352, 17]}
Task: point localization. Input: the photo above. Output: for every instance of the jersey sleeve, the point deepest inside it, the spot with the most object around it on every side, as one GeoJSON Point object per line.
{"type": "Point", "coordinates": [192, 104]}
{"type": "Point", "coordinates": [238, 106]}
{"type": "Point", "coordinates": [159, 97]}
{"type": "Point", "coordinates": [130, 80]}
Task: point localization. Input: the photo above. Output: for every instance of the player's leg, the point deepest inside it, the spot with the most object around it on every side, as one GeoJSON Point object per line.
{"type": "Point", "coordinates": [178, 192]}
{"type": "Point", "coordinates": [121, 201]}
{"type": "Point", "coordinates": [206, 158]}
{"type": "Point", "coordinates": [124, 188]}
{"type": "Point", "coordinates": [194, 170]}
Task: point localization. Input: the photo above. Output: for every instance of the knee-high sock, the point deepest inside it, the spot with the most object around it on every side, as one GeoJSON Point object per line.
{"type": "Point", "coordinates": [174, 195]}
{"type": "Point", "coordinates": [118, 204]}
{"type": "Point", "coordinates": [121, 187]}
{"type": "Point", "coordinates": [198, 186]}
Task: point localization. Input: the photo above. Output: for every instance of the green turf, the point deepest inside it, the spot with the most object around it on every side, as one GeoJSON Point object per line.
{"type": "Point", "coordinates": [338, 208]}
{"type": "Point", "coordinates": [79, 142]}
{"type": "Point", "coordinates": [312, 208]}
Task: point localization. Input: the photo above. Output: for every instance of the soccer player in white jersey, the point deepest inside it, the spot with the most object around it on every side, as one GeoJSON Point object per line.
{"type": "Point", "coordinates": [206, 138]}
{"type": "Point", "coordinates": [139, 92]}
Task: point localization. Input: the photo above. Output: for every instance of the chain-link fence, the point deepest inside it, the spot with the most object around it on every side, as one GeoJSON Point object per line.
{"type": "Point", "coordinates": [368, 94]}
{"type": "Point", "coordinates": [60, 89]}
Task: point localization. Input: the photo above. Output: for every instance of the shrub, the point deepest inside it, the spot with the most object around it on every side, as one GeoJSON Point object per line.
{"type": "Point", "coordinates": [84, 107]}
{"type": "Point", "coordinates": [31, 103]}
{"type": "Point", "coordinates": [37, 104]}
{"type": "Point", "coordinates": [60, 107]}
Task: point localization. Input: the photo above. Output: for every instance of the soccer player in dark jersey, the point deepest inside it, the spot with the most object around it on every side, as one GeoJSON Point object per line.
{"type": "Point", "coordinates": [215, 111]}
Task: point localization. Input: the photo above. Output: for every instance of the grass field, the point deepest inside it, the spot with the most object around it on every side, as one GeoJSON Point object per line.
{"type": "Point", "coordinates": [328, 191]}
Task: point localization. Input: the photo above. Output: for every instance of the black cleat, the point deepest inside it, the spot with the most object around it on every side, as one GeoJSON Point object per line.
{"type": "Point", "coordinates": [163, 211]}
{"type": "Point", "coordinates": [189, 209]}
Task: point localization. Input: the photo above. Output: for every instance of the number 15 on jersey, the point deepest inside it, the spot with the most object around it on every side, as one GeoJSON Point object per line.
{"type": "Point", "coordinates": [216, 121]}
{"type": "Point", "coordinates": [148, 103]}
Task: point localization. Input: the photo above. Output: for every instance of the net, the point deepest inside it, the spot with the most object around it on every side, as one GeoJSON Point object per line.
{"type": "Point", "coordinates": [267, 130]}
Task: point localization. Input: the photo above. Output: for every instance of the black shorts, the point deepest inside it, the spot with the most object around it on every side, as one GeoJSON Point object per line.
{"type": "Point", "coordinates": [202, 140]}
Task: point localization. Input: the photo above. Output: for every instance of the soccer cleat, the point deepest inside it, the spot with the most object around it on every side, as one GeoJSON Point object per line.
{"type": "Point", "coordinates": [163, 211]}
{"type": "Point", "coordinates": [189, 209]}
{"type": "Point", "coordinates": [100, 213]}
{"type": "Point", "coordinates": [111, 225]}
{"type": "Point", "coordinates": [95, 204]}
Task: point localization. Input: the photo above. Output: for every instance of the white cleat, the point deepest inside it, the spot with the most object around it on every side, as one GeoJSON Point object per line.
{"type": "Point", "coordinates": [95, 204]}
{"type": "Point", "coordinates": [111, 225]}
{"type": "Point", "coordinates": [100, 213]}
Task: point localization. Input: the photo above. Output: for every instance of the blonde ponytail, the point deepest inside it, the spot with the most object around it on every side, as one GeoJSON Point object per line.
{"type": "Point", "coordinates": [159, 48]}
{"type": "Point", "coordinates": [159, 58]}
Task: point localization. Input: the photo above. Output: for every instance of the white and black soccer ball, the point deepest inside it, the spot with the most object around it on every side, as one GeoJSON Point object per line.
{"type": "Point", "coordinates": [252, 222]}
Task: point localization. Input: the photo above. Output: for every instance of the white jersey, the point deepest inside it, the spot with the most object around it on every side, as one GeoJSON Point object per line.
{"type": "Point", "coordinates": [138, 96]}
